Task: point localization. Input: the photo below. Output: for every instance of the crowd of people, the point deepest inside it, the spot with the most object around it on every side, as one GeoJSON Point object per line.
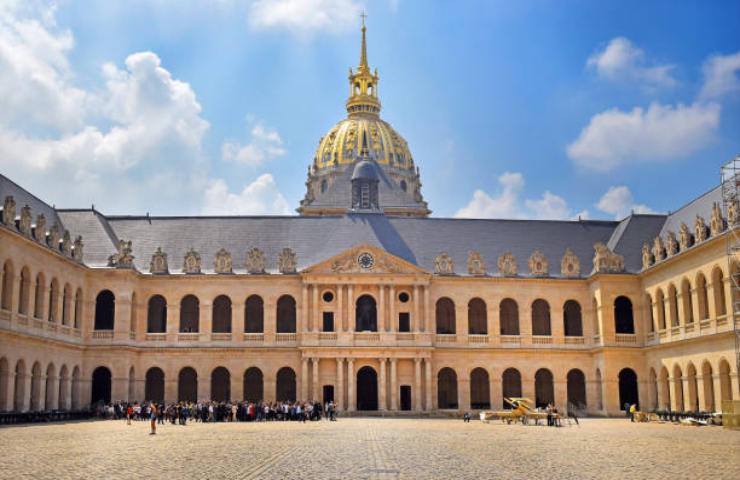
{"type": "Point", "coordinates": [213, 411]}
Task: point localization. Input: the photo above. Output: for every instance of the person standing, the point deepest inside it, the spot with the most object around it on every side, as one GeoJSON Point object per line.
{"type": "Point", "coordinates": [153, 418]}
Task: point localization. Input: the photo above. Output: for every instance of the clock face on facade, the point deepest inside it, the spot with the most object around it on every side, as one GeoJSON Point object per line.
{"type": "Point", "coordinates": [366, 260]}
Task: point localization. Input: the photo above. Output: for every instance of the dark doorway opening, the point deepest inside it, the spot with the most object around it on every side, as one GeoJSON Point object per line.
{"type": "Point", "coordinates": [628, 388]}
{"type": "Point", "coordinates": [328, 322]}
{"type": "Point", "coordinates": [404, 322]}
{"type": "Point", "coordinates": [328, 393]}
{"type": "Point", "coordinates": [367, 389]}
{"type": "Point", "coordinates": [405, 397]}
{"type": "Point", "coordinates": [101, 385]}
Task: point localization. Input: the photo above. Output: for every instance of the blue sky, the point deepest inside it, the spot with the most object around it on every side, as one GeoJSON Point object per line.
{"type": "Point", "coordinates": [511, 109]}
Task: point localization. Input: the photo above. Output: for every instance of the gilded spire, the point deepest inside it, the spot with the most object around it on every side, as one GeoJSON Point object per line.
{"type": "Point", "coordinates": [363, 48]}
{"type": "Point", "coordinates": [363, 84]}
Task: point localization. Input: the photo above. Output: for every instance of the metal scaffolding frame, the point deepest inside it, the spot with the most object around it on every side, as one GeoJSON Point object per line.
{"type": "Point", "coordinates": [730, 182]}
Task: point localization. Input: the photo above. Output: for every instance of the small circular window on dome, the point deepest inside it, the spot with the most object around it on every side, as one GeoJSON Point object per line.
{"type": "Point", "coordinates": [323, 186]}
{"type": "Point", "coordinates": [328, 297]}
{"type": "Point", "coordinates": [403, 297]}
{"type": "Point", "coordinates": [403, 185]}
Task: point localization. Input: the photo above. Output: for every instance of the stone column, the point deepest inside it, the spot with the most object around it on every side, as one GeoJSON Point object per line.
{"type": "Point", "coordinates": [392, 323]}
{"type": "Point", "coordinates": [561, 395]}
{"type": "Point", "coordinates": [122, 312]}
{"type": "Point", "coordinates": [269, 388]}
{"type": "Point", "coordinates": [67, 403]}
{"type": "Point", "coordinates": [673, 382]}
{"type": "Point", "coordinates": [394, 384]}
{"type": "Point", "coordinates": [428, 320]}
{"type": "Point", "coordinates": [170, 388]}
{"type": "Point", "coordinates": [54, 397]}
{"type": "Point", "coordinates": [711, 303]}
{"type": "Point", "coordinates": [304, 379]}
{"type": "Point", "coordinates": [493, 327]}
{"type": "Point", "coordinates": [382, 396]}
{"type": "Point", "coordinates": [349, 326]}
{"type": "Point", "coordinates": [463, 391]}
{"type": "Point", "coordinates": [315, 309]}
{"type": "Point", "coordinates": [9, 380]}
{"type": "Point", "coordinates": [315, 379]}
{"type": "Point", "coordinates": [42, 304]}
{"type": "Point", "coordinates": [415, 316]}
{"type": "Point", "coordinates": [237, 386]}
{"type": "Point", "coordinates": [339, 394]}
{"type": "Point", "coordinates": [303, 321]}
{"type": "Point", "coordinates": [557, 323]}
{"type": "Point", "coordinates": [416, 393]}
{"type": "Point", "coordinates": [26, 403]}
{"type": "Point", "coordinates": [351, 407]}
{"type": "Point", "coordinates": [496, 390]}
{"type": "Point", "coordinates": [382, 318]}
{"type": "Point", "coordinates": [462, 327]}
{"type": "Point", "coordinates": [695, 305]}
{"type": "Point", "coordinates": [339, 324]}
{"type": "Point", "coordinates": [173, 321]}
{"type": "Point", "coordinates": [42, 392]}
{"type": "Point", "coordinates": [428, 381]}
{"type": "Point", "coordinates": [700, 400]}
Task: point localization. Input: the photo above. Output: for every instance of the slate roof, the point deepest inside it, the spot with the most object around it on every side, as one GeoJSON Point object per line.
{"type": "Point", "coordinates": [317, 238]}
{"type": "Point", "coordinates": [701, 206]}
{"type": "Point", "coordinates": [23, 197]}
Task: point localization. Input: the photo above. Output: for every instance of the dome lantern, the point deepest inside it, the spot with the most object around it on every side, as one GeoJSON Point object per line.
{"type": "Point", "coordinates": [363, 85]}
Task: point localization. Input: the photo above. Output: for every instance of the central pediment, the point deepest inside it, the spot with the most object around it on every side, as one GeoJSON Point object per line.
{"type": "Point", "coordinates": [365, 259]}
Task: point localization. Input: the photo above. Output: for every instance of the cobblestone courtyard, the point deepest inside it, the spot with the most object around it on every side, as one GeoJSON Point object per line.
{"type": "Point", "coordinates": [368, 448]}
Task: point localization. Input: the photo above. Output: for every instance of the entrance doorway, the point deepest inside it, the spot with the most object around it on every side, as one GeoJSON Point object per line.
{"type": "Point", "coordinates": [406, 397]}
{"type": "Point", "coordinates": [367, 389]}
{"type": "Point", "coordinates": [328, 393]}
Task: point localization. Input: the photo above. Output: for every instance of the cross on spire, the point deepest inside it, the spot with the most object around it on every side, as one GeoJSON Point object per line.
{"type": "Point", "coordinates": [363, 15]}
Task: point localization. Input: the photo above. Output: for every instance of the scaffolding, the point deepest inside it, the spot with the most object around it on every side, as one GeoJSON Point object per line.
{"type": "Point", "coordinates": [730, 178]}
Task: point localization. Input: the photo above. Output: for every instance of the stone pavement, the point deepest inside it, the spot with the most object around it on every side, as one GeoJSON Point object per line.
{"type": "Point", "coordinates": [368, 448]}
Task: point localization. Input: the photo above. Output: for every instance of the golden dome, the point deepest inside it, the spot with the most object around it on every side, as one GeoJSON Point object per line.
{"type": "Point", "coordinates": [348, 139]}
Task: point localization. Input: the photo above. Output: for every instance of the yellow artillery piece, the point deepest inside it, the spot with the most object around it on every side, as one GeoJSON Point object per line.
{"type": "Point", "coordinates": [521, 410]}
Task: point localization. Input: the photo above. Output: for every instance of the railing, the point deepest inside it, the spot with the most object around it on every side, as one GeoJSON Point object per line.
{"type": "Point", "coordinates": [575, 340]}
{"type": "Point", "coordinates": [38, 323]}
{"type": "Point", "coordinates": [625, 338]}
{"type": "Point", "coordinates": [102, 334]}
{"type": "Point", "coordinates": [446, 338]}
{"type": "Point", "coordinates": [675, 331]}
{"type": "Point", "coordinates": [5, 315]}
{"type": "Point", "coordinates": [253, 337]}
{"type": "Point", "coordinates": [651, 336]}
{"type": "Point", "coordinates": [285, 337]}
{"type": "Point", "coordinates": [597, 339]}
{"type": "Point", "coordinates": [405, 337]}
{"type": "Point", "coordinates": [478, 339]}
{"type": "Point", "coordinates": [327, 336]}
{"type": "Point", "coordinates": [705, 324]}
{"type": "Point", "coordinates": [721, 320]}
{"type": "Point", "coordinates": [188, 337]}
{"type": "Point", "coordinates": [221, 337]}
{"type": "Point", "coordinates": [662, 333]}
{"type": "Point", "coordinates": [66, 330]}
{"type": "Point", "coordinates": [541, 340]}
{"type": "Point", "coordinates": [511, 339]}
{"type": "Point", "coordinates": [155, 337]}
{"type": "Point", "coordinates": [689, 327]}
{"type": "Point", "coordinates": [367, 337]}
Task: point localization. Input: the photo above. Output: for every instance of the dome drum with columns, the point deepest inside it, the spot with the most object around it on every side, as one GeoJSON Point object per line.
{"type": "Point", "coordinates": [363, 136]}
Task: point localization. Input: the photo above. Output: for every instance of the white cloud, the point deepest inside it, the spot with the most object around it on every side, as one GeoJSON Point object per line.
{"type": "Point", "coordinates": [264, 145]}
{"type": "Point", "coordinates": [260, 197]}
{"type": "Point", "coordinates": [621, 61]}
{"type": "Point", "coordinates": [509, 204]}
{"type": "Point", "coordinates": [305, 16]}
{"type": "Point", "coordinates": [721, 75]}
{"type": "Point", "coordinates": [618, 201]}
{"type": "Point", "coordinates": [662, 132]}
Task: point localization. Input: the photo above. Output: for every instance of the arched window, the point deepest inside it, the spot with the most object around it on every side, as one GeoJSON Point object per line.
{"type": "Point", "coordinates": [51, 377]}
{"type": "Point", "coordinates": [725, 384]}
{"type": "Point", "coordinates": [688, 304]}
{"type": "Point", "coordinates": [286, 315]}
{"type": "Point", "coordinates": [189, 314]}
{"type": "Point", "coordinates": [446, 389]}
{"type": "Point", "coordinates": [36, 387]}
{"type": "Point", "coordinates": [702, 296]}
{"type": "Point", "coordinates": [577, 389]}
{"type": "Point", "coordinates": [154, 386]}
{"type": "Point", "coordinates": [623, 319]}
{"type": "Point", "coordinates": [6, 296]}
{"type": "Point", "coordinates": [404, 187]}
{"type": "Point", "coordinates": [511, 385]}
{"type": "Point", "coordinates": [187, 385]}
{"type": "Point", "coordinates": [38, 299]}
{"type": "Point", "coordinates": [220, 384]}
{"type": "Point", "coordinates": [572, 320]}
{"type": "Point", "coordinates": [673, 305]}
{"type": "Point", "coordinates": [718, 287]}
{"type": "Point", "coordinates": [541, 318]}
{"type": "Point", "coordinates": [24, 293]}
{"type": "Point", "coordinates": [366, 314]}
{"type": "Point", "coordinates": [664, 389]}
{"type": "Point", "coordinates": [653, 390]}
{"type": "Point", "coordinates": [63, 392]}
{"type": "Point", "coordinates": [628, 389]}
{"type": "Point", "coordinates": [254, 314]}
{"type": "Point", "coordinates": [285, 389]}
{"type": "Point", "coordinates": [53, 300]}
{"type": "Point", "coordinates": [660, 304]}
{"type": "Point", "coordinates": [66, 299]}
{"type": "Point", "coordinates": [156, 318]}
{"type": "Point", "coordinates": [367, 389]}
{"type": "Point", "coordinates": [445, 315]}
{"type": "Point", "coordinates": [19, 396]}
{"type": "Point", "coordinates": [477, 317]}
{"type": "Point", "coordinates": [509, 315]}
{"type": "Point", "coordinates": [323, 186]}
{"type": "Point", "coordinates": [480, 389]}
{"type": "Point", "coordinates": [221, 321]}
{"type": "Point", "coordinates": [101, 386]}
{"type": "Point", "coordinates": [78, 308]}
{"type": "Point", "coordinates": [253, 385]}
{"type": "Point", "coordinates": [76, 388]}
{"type": "Point", "coordinates": [544, 389]}
{"type": "Point", "coordinates": [105, 310]}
